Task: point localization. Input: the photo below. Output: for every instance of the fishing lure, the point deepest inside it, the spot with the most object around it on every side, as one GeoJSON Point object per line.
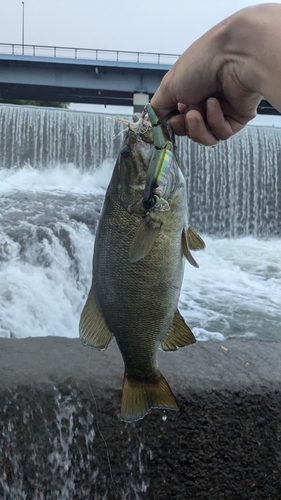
{"type": "Point", "coordinates": [159, 167]}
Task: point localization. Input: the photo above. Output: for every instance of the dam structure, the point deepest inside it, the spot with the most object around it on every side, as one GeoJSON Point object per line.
{"type": "Point", "coordinates": [233, 189]}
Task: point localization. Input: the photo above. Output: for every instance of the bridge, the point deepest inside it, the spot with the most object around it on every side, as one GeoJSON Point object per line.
{"type": "Point", "coordinates": [79, 75]}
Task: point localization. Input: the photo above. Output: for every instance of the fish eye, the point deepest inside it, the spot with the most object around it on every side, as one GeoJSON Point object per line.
{"type": "Point", "coordinates": [125, 151]}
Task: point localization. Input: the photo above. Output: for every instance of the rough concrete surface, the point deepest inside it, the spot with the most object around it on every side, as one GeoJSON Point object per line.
{"type": "Point", "coordinates": [60, 427]}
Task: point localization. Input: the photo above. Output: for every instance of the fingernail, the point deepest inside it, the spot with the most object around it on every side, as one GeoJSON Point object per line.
{"type": "Point", "coordinates": [211, 107]}
{"type": "Point", "coordinates": [192, 123]}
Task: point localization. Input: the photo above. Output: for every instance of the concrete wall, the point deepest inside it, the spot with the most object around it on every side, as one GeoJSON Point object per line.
{"type": "Point", "coordinates": [59, 424]}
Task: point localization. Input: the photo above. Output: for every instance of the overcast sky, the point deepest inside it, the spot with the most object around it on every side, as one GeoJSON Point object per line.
{"type": "Point", "coordinates": [165, 26]}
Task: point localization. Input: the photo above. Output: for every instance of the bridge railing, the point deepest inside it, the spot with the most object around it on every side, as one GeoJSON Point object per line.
{"type": "Point", "coordinates": [90, 54]}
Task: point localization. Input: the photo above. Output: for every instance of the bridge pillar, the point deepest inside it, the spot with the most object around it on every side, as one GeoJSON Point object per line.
{"type": "Point", "coordinates": [140, 100]}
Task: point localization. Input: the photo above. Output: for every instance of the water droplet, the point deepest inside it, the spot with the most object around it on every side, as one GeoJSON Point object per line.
{"type": "Point", "coordinates": [164, 417]}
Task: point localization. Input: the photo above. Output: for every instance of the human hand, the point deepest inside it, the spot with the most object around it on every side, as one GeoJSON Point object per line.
{"type": "Point", "coordinates": [212, 119]}
{"type": "Point", "coordinates": [215, 84]}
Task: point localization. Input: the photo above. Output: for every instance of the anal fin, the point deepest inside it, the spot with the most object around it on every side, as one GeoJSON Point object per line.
{"type": "Point", "coordinates": [140, 396]}
{"type": "Point", "coordinates": [179, 335]}
{"type": "Point", "coordinates": [93, 329]}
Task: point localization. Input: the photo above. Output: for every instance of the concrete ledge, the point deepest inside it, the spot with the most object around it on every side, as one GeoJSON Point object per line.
{"type": "Point", "coordinates": [224, 443]}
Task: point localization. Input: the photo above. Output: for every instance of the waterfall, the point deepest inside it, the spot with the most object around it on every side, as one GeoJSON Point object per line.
{"type": "Point", "coordinates": [234, 189]}
{"type": "Point", "coordinates": [45, 137]}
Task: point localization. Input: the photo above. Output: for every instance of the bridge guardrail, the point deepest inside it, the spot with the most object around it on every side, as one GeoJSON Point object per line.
{"type": "Point", "coordinates": [90, 54]}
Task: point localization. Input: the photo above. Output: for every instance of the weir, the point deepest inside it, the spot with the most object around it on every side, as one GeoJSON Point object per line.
{"type": "Point", "coordinates": [60, 427]}
{"type": "Point", "coordinates": [234, 189]}
{"type": "Point", "coordinates": [45, 137]}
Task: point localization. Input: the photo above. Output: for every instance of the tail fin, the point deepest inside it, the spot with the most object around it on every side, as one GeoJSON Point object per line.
{"type": "Point", "coordinates": [140, 396]}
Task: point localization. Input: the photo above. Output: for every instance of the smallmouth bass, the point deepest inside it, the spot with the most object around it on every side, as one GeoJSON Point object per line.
{"type": "Point", "coordinates": [138, 267]}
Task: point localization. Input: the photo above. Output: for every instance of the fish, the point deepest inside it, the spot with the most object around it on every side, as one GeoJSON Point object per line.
{"type": "Point", "coordinates": [138, 266]}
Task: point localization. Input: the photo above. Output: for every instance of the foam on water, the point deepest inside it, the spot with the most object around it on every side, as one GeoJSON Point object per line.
{"type": "Point", "coordinates": [48, 220]}
{"type": "Point", "coordinates": [236, 291]}
{"type": "Point", "coordinates": [46, 246]}
{"type": "Point", "coordinates": [46, 261]}
{"type": "Point", "coordinates": [58, 178]}
{"type": "Point", "coordinates": [38, 300]}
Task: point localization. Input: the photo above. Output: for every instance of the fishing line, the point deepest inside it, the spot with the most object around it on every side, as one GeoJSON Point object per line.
{"type": "Point", "coordinates": [120, 133]}
{"type": "Point", "coordinates": [100, 433]}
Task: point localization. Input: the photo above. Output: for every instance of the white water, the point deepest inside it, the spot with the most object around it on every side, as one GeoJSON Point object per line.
{"type": "Point", "coordinates": [45, 252]}
{"type": "Point", "coordinates": [236, 291]}
{"type": "Point", "coordinates": [47, 225]}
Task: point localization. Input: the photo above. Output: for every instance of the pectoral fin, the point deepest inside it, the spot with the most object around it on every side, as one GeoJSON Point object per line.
{"type": "Point", "coordinates": [191, 241]}
{"type": "Point", "coordinates": [186, 251]}
{"type": "Point", "coordinates": [144, 239]}
{"type": "Point", "coordinates": [194, 241]}
{"type": "Point", "coordinates": [93, 329]}
{"type": "Point", "coordinates": [179, 334]}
